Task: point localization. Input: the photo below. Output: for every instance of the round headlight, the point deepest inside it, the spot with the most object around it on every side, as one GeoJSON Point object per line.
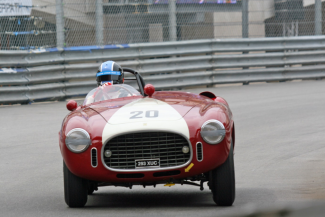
{"type": "Point", "coordinates": [77, 140]}
{"type": "Point", "coordinates": [213, 131]}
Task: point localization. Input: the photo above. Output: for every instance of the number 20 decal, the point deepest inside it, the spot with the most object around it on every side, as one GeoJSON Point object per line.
{"type": "Point", "coordinates": [148, 114]}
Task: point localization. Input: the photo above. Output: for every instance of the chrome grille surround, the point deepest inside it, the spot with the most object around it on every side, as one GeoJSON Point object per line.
{"type": "Point", "coordinates": [94, 157]}
{"type": "Point", "coordinates": [137, 143]}
{"type": "Point", "coordinates": [199, 151]}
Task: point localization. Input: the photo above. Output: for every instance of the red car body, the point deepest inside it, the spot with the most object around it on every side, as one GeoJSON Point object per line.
{"type": "Point", "coordinates": [195, 109]}
{"type": "Point", "coordinates": [163, 137]}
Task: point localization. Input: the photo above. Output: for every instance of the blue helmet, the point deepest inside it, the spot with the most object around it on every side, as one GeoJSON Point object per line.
{"type": "Point", "coordinates": [110, 71]}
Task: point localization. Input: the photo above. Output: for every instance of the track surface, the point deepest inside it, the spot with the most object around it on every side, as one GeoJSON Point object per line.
{"type": "Point", "coordinates": [279, 158]}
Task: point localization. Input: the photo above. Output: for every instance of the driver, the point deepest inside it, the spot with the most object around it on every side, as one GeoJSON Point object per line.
{"type": "Point", "coordinates": [109, 72]}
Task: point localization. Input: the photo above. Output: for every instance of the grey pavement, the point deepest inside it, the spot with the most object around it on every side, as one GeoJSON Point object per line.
{"type": "Point", "coordinates": [279, 159]}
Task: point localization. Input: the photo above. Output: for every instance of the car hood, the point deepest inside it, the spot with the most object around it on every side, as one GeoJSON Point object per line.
{"type": "Point", "coordinates": [139, 109]}
{"type": "Point", "coordinates": [165, 112]}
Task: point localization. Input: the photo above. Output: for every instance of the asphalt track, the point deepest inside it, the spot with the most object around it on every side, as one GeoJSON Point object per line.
{"type": "Point", "coordinates": [279, 159]}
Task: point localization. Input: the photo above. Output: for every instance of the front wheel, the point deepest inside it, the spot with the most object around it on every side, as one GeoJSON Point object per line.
{"type": "Point", "coordinates": [223, 181]}
{"type": "Point", "coordinates": [75, 189]}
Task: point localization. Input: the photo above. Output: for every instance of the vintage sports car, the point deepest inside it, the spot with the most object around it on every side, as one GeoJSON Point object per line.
{"type": "Point", "coordinates": [121, 136]}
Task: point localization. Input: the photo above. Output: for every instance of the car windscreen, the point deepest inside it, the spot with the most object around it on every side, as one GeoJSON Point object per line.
{"type": "Point", "coordinates": [110, 92]}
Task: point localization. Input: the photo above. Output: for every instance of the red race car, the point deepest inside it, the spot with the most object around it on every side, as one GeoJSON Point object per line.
{"type": "Point", "coordinates": [121, 136]}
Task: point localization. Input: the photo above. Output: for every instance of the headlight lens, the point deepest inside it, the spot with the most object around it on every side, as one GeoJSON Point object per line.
{"type": "Point", "coordinates": [213, 132]}
{"type": "Point", "coordinates": [77, 140]}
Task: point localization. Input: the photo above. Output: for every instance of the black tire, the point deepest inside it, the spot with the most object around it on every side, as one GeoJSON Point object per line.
{"type": "Point", "coordinates": [75, 189]}
{"type": "Point", "coordinates": [223, 181]}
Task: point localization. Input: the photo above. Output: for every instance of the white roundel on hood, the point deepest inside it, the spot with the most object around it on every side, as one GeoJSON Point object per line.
{"type": "Point", "coordinates": [145, 115]}
{"type": "Point", "coordinates": [146, 109]}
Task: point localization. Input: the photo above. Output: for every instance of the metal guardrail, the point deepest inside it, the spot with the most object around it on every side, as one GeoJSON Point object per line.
{"type": "Point", "coordinates": [27, 76]}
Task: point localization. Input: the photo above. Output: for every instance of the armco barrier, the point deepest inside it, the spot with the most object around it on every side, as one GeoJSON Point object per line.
{"type": "Point", "coordinates": [27, 76]}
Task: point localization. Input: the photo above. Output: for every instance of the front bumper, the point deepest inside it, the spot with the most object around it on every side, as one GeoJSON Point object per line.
{"type": "Point", "coordinates": [82, 165]}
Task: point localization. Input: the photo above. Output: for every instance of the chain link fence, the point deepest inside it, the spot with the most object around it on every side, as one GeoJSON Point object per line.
{"type": "Point", "coordinates": [38, 24]}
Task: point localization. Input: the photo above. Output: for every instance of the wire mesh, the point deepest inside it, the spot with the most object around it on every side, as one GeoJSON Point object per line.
{"type": "Point", "coordinates": [33, 24]}
{"type": "Point", "coordinates": [34, 29]}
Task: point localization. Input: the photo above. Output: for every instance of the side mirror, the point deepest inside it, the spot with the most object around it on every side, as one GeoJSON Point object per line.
{"type": "Point", "coordinates": [72, 105]}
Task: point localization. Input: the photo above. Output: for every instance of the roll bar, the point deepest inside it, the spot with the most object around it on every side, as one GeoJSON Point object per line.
{"type": "Point", "coordinates": [138, 78]}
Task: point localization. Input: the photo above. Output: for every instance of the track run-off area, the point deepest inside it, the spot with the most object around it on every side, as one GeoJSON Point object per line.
{"type": "Point", "coordinates": [279, 159]}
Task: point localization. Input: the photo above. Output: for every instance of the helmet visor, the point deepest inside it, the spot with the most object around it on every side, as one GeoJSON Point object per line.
{"type": "Point", "coordinates": [109, 76]}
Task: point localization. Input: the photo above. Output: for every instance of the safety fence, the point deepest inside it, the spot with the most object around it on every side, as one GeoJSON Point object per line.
{"type": "Point", "coordinates": [36, 75]}
{"type": "Point", "coordinates": [32, 24]}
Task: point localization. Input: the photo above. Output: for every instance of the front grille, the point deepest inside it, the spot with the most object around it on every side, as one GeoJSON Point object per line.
{"type": "Point", "coordinates": [147, 145]}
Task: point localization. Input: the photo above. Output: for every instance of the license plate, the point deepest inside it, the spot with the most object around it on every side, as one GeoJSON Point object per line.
{"type": "Point", "coordinates": [147, 163]}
